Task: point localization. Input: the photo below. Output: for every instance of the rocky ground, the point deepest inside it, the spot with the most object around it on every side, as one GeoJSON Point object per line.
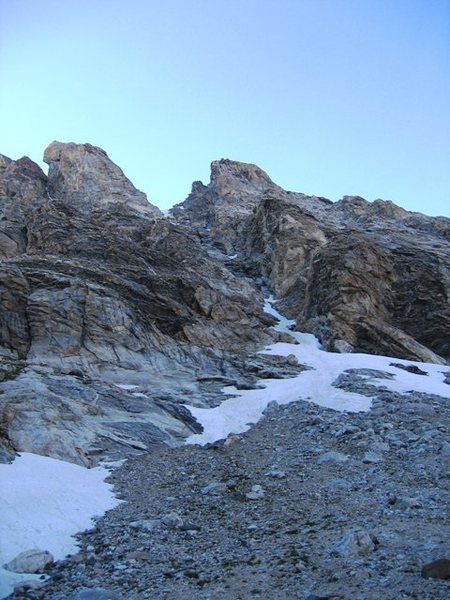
{"type": "Point", "coordinates": [309, 504]}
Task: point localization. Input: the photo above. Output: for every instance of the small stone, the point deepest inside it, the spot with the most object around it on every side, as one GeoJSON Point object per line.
{"type": "Point", "coordinates": [438, 569]}
{"type": "Point", "coordinates": [95, 594]}
{"type": "Point", "coordinates": [342, 346]}
{"type": "Point", "coordinates": [256, 493]}
{"type": "Point", "coordinates": [145, 525]}
{"type": "Point", "coordinates": [338, 484]}
{"type": "Point", "coordinates": [407, 503]}
{"type": "Point", "coordinates": [445, 448]}
{"type": "Point", "coordinates": [215, 489]}
{"type": "Point", "coordinates": [356, 543]}
{"type": "Point", "coordinates": [30, 584]}
{"type": "Point", "coordinates": [276, 474]}
{"type": "Point", "coordinates": [291, 359]}
{"type": "Point", "coordinates": [189, 527]}
{"type": "Point", "coordinates": [271, 409]}
{"type": "Point", "coordinates": [333, 457]}
{"type": "Point", "coordinates": [172, 520]}
{"type": "Point", "coordinates": [372, 458]}
{"type": "Point", "coordinates": [30, 561]}
{"type": "Point", "coordinates": [139, 555]}
{"type": "Point", "coordinates": [232, 440]}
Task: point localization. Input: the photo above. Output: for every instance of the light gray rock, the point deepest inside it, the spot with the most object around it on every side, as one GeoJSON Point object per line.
{"type": "Point", "coordinates": [406, 503]}
{"type": "Point", "coordinates": [338, 484]}
{"type": "Point", "coordinates": [256, 493]}
{"type": "Point", "coordinates": [332, 457]}
{"type": "Point", "coordinates": [355, 543]}
{"type": "Point", "coordinates": [30, 561]}
{"type": "Point", "coordinates": [95, 594]}
{"type": "Point", "coordinates": [172, 520]}
{"type": "Point", "coordinates": [275, 474]}
{"type": "Point", "coordinates": [146, 525]}
{"type": "Point", "coordinates": [372, 457]}
{"type": "Point", "coordinates": [28, 585]}
{"type": "Point", "coordinates": [445, 449]}
{"type": "Point", "coordinates": [215, 488]}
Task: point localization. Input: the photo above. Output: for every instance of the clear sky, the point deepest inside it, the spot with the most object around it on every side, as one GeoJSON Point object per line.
{"type": "Point", "coordinates": [330, 97]}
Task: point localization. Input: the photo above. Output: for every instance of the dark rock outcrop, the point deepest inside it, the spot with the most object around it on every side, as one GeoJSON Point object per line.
{"type": "Point", "coordinates": [99, 290]}
{"type": "Point", "coordinates": [362, 276]}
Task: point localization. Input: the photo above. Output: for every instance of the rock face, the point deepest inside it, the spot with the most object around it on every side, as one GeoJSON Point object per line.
{"type": "Point", "coordinates": [362, 276]}
{"type": "Point", "coordinates": [83, 177]}
{"type": "Point", "coordinates": [99, 291]}
{"type": "Point", "coordinates": [113, 316]}
{"type": "Point", "coordinates": [219, 211]}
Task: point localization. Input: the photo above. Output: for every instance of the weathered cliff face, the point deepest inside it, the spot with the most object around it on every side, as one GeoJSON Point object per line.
{"type": "Point", "coordinates": [83, 177]}
{"type": "Point", "coordinates": [98, 290]}
{"type": "Point", "coordinates": [113, 316]}
{"type": "Point", "coordinates": [219, 211]}
{"type": "Point", "coordinates": [362, 276]}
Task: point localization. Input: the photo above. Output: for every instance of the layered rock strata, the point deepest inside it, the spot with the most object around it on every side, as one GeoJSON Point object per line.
{"type": "Point", "coordinates": [362, 276]}
{"type": "Point", "coordinates": [113, 317]}
{"type": "Point", "coordinates": [98, 290]}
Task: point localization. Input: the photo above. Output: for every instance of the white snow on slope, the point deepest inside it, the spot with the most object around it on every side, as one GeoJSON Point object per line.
{"type": "Point", "coordinates": [43, 503]}
{"type": "Point", "coordinates": [247, 406]}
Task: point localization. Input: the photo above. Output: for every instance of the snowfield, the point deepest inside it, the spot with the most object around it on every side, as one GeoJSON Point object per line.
{"type": "Point", "coordinates": [44, 502]}
{"type": "Point", "coordinates": [247, 406]}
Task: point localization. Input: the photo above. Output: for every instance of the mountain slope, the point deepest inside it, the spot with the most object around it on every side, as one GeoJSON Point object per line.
{"type": "Point", "coordinates": [98, 290]}
{"type": "Point", "coordinates": [113, 317]}
{"type": "Point", "coordinates": [361, 276]}
{"type": "Point", "coordinates": [123, 332]}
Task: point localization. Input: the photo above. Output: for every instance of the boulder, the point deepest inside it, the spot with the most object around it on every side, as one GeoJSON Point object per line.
{"type": "Point", "coordinates": [30, 561]}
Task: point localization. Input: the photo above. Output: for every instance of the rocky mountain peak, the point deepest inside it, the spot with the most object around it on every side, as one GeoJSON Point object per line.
{"type": "Point", "coordinates": [84, 177]}
{"type": "Point", "coordinates": [230, 177]}
{"type": "Point", "coordinates": [14, 170]}
{"type": "Point", "coordinates": [4, 162]}
{"type": "Point", "coordinates": [357, 207]}
{"type": "Point", "coordinates": [369, 274]}
{"type": "Point", "coordinates": [93, 287]}
{"type": "Point", "coordinates": [234, 191]}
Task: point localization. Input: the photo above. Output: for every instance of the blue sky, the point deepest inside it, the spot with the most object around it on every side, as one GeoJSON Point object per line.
{"type": "Point", "coordinates": [330, 97]}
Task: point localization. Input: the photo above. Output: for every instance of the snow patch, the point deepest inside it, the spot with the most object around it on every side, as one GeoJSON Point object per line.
{"type": "Point", "coordinates": [237, 414]}
{"type": "Point", "coordinates": [126, 386]}
{"type": "Point", "coordinates": [44, 502]}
